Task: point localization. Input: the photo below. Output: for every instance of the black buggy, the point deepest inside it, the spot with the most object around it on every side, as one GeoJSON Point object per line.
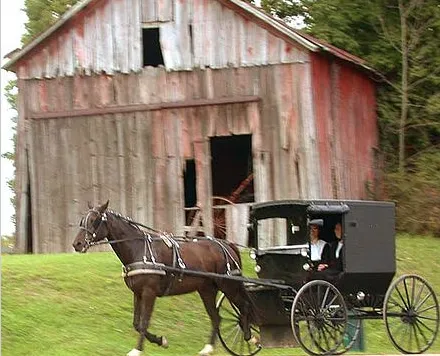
{"type": "Point", "coordinates": [298, 306]}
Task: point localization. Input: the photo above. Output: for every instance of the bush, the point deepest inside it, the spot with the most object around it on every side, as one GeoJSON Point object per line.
{"type": "Point", "coordinates": [417, 194]}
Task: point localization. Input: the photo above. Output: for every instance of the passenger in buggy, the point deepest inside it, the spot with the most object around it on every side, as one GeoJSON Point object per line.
{"type": "Point", "coordinates": [336, 250]}
{"type": "Point", "coordinates": [331, 267]}
{"type": "Point", "coordinates": [319, 249]}
{"type": "Point", "coordinates": [326, 258]}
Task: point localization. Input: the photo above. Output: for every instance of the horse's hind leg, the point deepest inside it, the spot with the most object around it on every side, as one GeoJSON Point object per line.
{"type": "Point", "coordinates": [239, 297]}
{"type": "Point", "coordinates": [208, 296]}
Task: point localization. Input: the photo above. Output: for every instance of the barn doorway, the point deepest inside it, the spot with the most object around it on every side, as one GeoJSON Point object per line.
{"type": "Point", "coordinates": [231, 168]}
{"type": "Point", "coordinates": [232, 176]}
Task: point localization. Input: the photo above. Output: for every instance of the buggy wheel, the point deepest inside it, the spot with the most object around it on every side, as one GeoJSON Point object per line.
{"type": "Point", "coordinates": [319, 318]}
{"type": "Point", "coordinates": [230, 332]}
{"type": "Point", "coordinates": [411, 314]}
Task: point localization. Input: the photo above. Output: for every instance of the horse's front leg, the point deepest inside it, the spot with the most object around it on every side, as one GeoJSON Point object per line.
{"type": "Point", "coordinates": [136, 312]}
{"type": "Point", "coordinates": [143, 307]}
{"type": "Point", "coordinates": [158, 340]}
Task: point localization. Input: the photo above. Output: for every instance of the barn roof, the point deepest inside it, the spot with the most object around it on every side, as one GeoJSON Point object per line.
{"type": "Point", "coordinates": [248, 10]}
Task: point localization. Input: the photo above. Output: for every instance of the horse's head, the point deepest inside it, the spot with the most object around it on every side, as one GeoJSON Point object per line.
{"type": "Point", "coordinates": [93, 228]}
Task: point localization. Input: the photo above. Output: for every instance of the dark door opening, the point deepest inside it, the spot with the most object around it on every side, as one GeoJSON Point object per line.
{"type": "Point", "coordinates": [151, 49]}
{"type": "Point", "coordinates": [29, 238]}
{"type": "Point", "coordinates": [192, 213]}
{"type": "Point", "coordinates": [232, 169]}
{"type": "Point", "coordinates": [189, 178]}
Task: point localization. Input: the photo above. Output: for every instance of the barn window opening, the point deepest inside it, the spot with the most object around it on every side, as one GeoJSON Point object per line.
{"type": "Point", "coordinates": [191, 40]}
{"type": "Point", "coordinates": [232, 169]}
{"type": "Point", "coordinates": [189, 177]}
{"type": "Point", "coordinates": [151, 47]}
{"type": "Point", "coordinates": [190, 191]}
{"type": "Point", "coordinates": [29, 243]}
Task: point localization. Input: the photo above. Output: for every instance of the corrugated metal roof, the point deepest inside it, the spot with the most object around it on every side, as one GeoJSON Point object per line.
{"type": "Point", "coordinates": [307, 41]}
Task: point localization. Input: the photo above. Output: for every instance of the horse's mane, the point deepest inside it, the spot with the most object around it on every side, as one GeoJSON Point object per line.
{"type": "Point", "coordinates": [135, 224]}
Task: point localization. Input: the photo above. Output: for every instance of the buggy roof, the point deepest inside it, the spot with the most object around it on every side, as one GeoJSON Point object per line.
{"type": "Point", "coordinates": [288, 208]}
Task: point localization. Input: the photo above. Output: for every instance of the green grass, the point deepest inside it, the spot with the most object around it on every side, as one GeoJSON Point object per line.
{"type": "Point", "coordinates": [72, 304]}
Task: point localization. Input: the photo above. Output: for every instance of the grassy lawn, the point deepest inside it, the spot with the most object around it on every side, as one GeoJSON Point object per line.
{"type": "Point", "coordinates": [71, 304]}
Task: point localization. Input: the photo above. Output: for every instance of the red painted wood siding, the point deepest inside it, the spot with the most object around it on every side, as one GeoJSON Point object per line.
{"type": "Point", "coordinates": [346, 125]}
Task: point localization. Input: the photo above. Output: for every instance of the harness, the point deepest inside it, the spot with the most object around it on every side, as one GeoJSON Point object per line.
{"type": "Point", "coordinates": [149, 264]}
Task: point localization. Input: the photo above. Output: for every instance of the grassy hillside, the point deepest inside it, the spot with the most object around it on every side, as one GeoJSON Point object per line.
{"type": "Point", "coordinates": [71, 304]}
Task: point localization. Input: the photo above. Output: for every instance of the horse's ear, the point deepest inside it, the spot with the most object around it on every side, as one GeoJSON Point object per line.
{"type": "Point", "coordinates": [89, 204]}
{"type": "Point", "coordinates": [103, 207]}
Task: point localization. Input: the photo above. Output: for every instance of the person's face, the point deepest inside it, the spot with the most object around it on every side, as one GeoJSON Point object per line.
{"type": "Point", "coordinates": [314, 232]}
{"type": "Point", "coordinates": [338, 231]}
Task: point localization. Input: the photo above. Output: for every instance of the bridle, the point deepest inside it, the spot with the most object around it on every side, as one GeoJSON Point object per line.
{"type": "Point", "coordinates": [97, 224]}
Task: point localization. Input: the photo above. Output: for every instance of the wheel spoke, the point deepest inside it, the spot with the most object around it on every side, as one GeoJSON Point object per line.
{"type": "Point", "coordinates": [401, 298]}
{"type": "Point", "coordinates": [413, 288]}
{"type": "Point", "coordinates": [422, 302]}
{"type": "Point", "coordinates": [427, 318]}
{"type": "Point", "coordinates": [419, 294]}
{"type": "Point", "coordinates": [325, 297]}
{"type": "Point", "coordinates": [231, 313]}
{"type": "Point", "coordinates": [332, 301]}
{"type": "Point", "coordinates": [422, 333]}
{"type": "Point", "coordinates": [427, 309]}
{"type": "Point", "coordinates": [410, 328]}
{"type": "Point", "coordinates": [406, 293]}
{"type": "Point", "coordinates": [395, 302]}
{"type": "Point", "coordinates": [425, 326]}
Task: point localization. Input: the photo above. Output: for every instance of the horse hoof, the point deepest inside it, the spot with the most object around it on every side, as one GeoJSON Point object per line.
{"type": "Point", "coordinates": [207, 350]}
{"type": "Point", "coordinates": [254, 340]}
{"type": "Point", "coordinates": [134, 352]}
{"type": "Point", "coordinates": [164, 342]}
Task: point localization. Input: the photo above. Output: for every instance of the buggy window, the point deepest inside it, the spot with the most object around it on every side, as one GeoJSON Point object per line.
{"type": "Point", "coordinates": [275, 232]}
{"type": "Point", "coordinates": [326, 232]}
{"type": "Point", "coordinates": [272, 232]}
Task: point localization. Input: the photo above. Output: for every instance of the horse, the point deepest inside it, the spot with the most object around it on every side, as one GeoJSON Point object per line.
{"type": "Point", "coordinates": [154, 265]}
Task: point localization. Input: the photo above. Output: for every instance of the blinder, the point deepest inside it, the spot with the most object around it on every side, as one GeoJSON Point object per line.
{"type": "Point", "coordinates": [92, 231]}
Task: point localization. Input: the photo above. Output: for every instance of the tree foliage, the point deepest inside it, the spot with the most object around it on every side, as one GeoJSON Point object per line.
{"type": "Point", "coordinates": [42, 14]}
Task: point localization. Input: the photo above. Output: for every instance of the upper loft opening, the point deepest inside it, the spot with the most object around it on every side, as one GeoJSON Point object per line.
{"type": "Point", "coordinates": [152, 52]}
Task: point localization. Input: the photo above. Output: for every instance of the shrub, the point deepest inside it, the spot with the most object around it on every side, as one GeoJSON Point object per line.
{"type": "Point", "coordinates": [417, 194]}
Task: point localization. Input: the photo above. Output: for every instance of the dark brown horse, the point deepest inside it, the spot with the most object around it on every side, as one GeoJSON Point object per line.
{"type": "Point", "coordinates": [155, 265]}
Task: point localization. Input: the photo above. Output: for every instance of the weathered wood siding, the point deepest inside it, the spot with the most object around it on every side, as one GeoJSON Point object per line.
{"type": "Point", "coordinates": [345, 115]}
{"type": "Point", "coordinates": [136, 159]}
{"type": "Point", "coordinates": [107, 37]}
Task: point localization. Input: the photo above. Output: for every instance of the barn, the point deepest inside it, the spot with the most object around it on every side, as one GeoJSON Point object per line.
{"type": "Point", "coordinates": [182, 113]}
